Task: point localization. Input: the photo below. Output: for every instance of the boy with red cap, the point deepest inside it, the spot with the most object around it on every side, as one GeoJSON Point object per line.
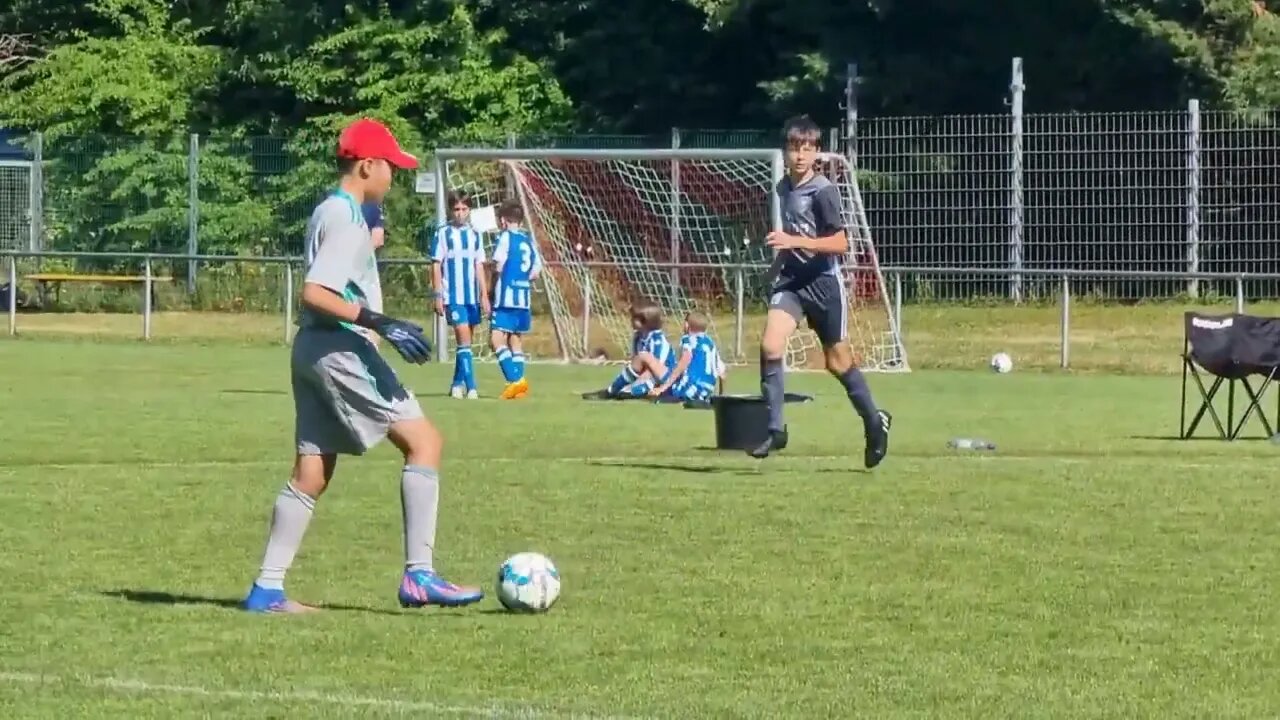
{"type": "Point", "coordinates": [346, 397]}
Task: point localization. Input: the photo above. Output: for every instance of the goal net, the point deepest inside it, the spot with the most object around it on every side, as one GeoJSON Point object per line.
{"type": "Point", "coordinates": [682, 228]}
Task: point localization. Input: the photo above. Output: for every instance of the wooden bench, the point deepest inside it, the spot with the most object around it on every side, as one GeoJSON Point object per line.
{"type": "Point", "coordinates": [47, 281]}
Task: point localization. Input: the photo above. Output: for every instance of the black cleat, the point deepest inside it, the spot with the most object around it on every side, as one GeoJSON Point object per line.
{"type": "Point", "coordinates": [878, 440]}
{"type": "Point", "coordinates": [777, 440]}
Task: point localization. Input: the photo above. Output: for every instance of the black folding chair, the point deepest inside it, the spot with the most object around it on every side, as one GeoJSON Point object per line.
{"type": "Point", "coordinates": [1230, 348]}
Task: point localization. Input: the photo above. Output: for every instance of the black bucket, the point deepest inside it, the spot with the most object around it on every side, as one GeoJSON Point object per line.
{"type": "Point", "coordinates": [742, 421]}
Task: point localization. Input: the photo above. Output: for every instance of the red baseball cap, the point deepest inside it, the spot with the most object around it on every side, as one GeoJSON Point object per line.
{"type": "Point", "coordinates": [369, 139]}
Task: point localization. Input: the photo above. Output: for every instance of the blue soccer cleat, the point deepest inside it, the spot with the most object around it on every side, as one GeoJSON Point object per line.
{"type": "Point", "coordinates": [420, 588]}
{"type": "Point", "coordinates": [269, 600]}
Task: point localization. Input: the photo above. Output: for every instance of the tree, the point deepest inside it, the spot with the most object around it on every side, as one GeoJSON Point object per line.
{"type": "Point", "coordinates": [115, 109]}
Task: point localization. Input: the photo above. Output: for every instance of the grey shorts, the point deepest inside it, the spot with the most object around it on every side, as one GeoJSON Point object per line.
{"type": "Point", "coordinates": [822, 302]}
{"type": "Point", "coordinates": [345, 396]}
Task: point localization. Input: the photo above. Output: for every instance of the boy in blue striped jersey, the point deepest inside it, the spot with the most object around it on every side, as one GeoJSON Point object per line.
{"type": "Point", "coordinates": [699, 368]}
{"type": "Point", "coordinates": [516, 265]}
{"type": "Point", "coordinates": [462, 294]}
{"type": "Point", "coordinates": [652, 358]}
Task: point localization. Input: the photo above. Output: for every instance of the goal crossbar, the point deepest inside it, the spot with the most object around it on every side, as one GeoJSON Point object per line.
{"type": "Point", "coordinates": [774, 157]}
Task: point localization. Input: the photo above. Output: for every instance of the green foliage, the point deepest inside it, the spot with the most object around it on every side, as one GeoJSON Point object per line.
{"type": "Point", "coordinates": [121, 85]}
{"type": "Point", "coordinates": [144, 77]}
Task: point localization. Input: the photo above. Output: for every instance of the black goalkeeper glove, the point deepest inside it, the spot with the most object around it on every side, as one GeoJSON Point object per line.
{"type": "Point", "coordinates": [406, 337]}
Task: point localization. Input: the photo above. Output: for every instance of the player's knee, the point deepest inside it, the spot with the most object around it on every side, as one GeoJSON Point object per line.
{"type": "Point", "coordinates": [497, 339]}
{"type": "Point", "coordinates": [772, 348]}
{"type": "Point", "coordinates": [312, 473]}
{"type": "Point", "coordinates": [839, 358]}
{"type": "Point", "coordinates": [419, 441]}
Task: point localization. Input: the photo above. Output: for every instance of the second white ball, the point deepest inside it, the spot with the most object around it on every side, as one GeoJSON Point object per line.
{"type": "Point", "coordinates": [1001, 363]}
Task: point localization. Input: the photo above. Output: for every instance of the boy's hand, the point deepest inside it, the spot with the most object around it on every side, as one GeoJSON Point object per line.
{"type": "Point", "coordinates": [656, 392]}
{"type": "Point", "coordinates": [440, 306]}
{"type": "Point", "coordinates": [780, 240]}
{"type": "Point", "coordinates": [486, 308]}
{"type": "Point", "coordinates": [405, 337]}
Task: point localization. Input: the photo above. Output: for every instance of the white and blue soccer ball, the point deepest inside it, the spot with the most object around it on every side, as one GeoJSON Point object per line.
{"type": "Point", "coordinates": [1001, 363]}
{"type": "Point", "coordinates": [528, 582]}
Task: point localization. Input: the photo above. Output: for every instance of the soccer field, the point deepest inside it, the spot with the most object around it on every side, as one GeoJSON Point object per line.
{"type": "Point", "coordinates": [1090, 568]}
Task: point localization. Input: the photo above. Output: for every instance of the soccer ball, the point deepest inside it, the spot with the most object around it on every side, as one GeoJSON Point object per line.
{"type": "Point", "coordinates": [528, 582]}
{"type": "Point", "coordinates": [1001, 363]}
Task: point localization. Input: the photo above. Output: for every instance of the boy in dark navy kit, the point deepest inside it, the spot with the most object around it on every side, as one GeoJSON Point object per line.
{"type": "Point", "coordinates": [808, 285]}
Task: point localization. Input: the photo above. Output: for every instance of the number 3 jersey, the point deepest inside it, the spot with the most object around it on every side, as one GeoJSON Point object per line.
{"type": "Point", "coordinates": [517, 261]}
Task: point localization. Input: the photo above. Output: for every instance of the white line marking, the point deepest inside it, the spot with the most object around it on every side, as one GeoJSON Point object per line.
{"type": "Point", "coordinates": [647, 460]}
{"type": "Point", "coordinates": [125, 685]}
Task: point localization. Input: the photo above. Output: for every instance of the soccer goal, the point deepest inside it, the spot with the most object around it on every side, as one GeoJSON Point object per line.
{"type": "Point", "coordinates": [682, 228]}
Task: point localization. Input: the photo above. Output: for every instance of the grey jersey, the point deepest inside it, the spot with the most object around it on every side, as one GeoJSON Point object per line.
{"type": "Point", "coordinates": [811, 209]}
{"type": "Point", "coordinates": [340, 257]}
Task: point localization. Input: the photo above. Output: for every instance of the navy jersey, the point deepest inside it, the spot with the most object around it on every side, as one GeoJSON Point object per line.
{"type": "Point", "coordinates": [460, 253]}
{"type": "Point", "coordinates": [517, 260]}
{"type": "Point", "coordinates": [372, 215]}
{"type": "Point", "coordinates": [811, 209]}
{"type": "Point", "coordinates": [704, 367]}
{"type": "Point", "coordinates": [656, 344]}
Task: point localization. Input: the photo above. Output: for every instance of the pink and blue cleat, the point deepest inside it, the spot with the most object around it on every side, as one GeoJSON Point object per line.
{"type": "Point", "coordinates": [420, 588]}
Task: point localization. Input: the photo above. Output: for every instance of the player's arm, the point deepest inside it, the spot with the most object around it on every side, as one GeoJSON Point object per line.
{"type": "Point", "coordinates": [537, 261]}
{"type": "Point", "coordinates": [831, 239]}
{"type": "Point", "coordinates": [328, 277]}
{"type": "Point", "coordinates": [500, 252]}
{"type": "Point", "coordinates": [482, 282]}
{"type": "Point", "coordinates": [682, 365]}
{"type": "Point", "coordinates": [437, 269]}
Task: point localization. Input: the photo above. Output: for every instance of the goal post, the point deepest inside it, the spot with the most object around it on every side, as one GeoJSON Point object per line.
{"type": "Point", "coordinates": [683, 228]}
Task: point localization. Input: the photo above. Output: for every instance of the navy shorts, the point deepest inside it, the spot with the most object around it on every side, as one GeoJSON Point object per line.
{"type": "Point", "coordinates": [821, 302]}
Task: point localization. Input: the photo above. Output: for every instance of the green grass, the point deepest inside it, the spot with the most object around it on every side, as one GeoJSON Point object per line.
{"type": "Point", "coordinates": [1141, 338]}
{"type": "Point", "coordinates": [1087, 569]}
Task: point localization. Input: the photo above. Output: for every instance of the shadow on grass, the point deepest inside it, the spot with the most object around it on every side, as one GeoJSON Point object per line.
{"type": "Point", "coordinates": [155, 597]}
{"type": "Point", "coordinates": [700, 469]}
{"type": "Point", "coordinates": [1196, 438]}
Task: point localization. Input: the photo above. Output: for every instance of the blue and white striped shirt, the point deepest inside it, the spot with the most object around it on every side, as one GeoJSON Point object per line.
{"type": "Point", "coordinates": [517, 261]}
{"type": "Point", "coordinates": [656, 344]}
{"type": "Point", "coordinates": [460, 254]}
{"type": "Point", "coordinates": [704, 367]}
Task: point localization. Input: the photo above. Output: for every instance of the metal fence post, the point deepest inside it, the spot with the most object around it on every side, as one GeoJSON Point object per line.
{"type": "Point", "coordinates": [1065, 329]}
{"type": "Point", "coordinates": [897, 301]}
{"type": "Point", "coordinates": [288, 301]}
{"type": "Point", "coordinates": [193, 208]}
{"type": "Point", "coordinates": [739, 311]}
{"type": "Point", "coordinates": [1016, 88]}
{"type": "Point", "coordinates": [675, 219]}
{"type": "Point", "coordinates": [1193, 195]}
{"type": "Point", "coordinates": [146, 298]}
{"type": "Point", "coordinates": [13, 295]}
{"type": "Point", "coordinates": [586, 318]}
{"type": "Point", "coordinates": [442, 213]}
{"type": "Point", "coordinates": [36, 181]}
{"type": "Point", "coordinates": [1239, 294]}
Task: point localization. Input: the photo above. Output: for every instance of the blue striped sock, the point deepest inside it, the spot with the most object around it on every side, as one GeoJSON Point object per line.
{"type": "Point", "coordinates": [517, 358]}
{"type": "Point", "coordinates": [467, 369]}
{"type": "Point", "coordinates": [507, 364]}
{"type": "Point", "coordinates": [457, 369]}
{"type": "Point", "coordinates": [625, 378]}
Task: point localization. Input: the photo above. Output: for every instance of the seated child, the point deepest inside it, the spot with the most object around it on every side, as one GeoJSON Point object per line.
{"type": "Point", "coordinates": [651, 355]}
{"type": "Point", "coordinates": [699, 368]}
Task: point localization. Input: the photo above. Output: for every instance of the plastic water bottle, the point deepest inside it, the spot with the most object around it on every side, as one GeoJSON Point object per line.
{"type": "Point", "coordinates": [971, 444]}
